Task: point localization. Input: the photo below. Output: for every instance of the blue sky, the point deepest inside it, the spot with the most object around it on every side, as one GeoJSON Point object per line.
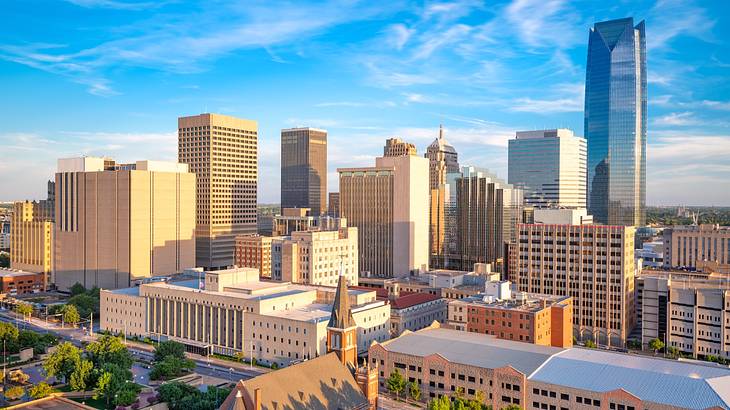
{"type": "Point", "coordinates": [110, 77]}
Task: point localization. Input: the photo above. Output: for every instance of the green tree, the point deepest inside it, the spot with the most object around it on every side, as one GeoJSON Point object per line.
{"type": "Point", "coordinates": [8, 332]}
{"type": "Point", "coordinates": [24, 309]}
{"type": "Point", "coordinates": [109, 349]}
{"type": "Point", "coordinates": [396, 383]}
{"type": "Point", "coordinates": [112, 379]}
{"type": "Point", "coordinates": [673, 352]}
{"type": "Point", "coordinates": [4, 260]}
{"type": "Point", "coordinates": [656, 345]}
{"type": "Point", "coordinates": [40, 390]}
{"type": "Point", "coordinates": [127, 394]}
{"type": "Point", "coordinates": [70, 314]}
{"type": "Point", "coordinates": [441, 403]}
{"type": "Point", "coordinates": [173, 394]}
{"type": "Point", "coordinates": [414, 390]}
{"type": "Point", "coordinates": [77, 289]}
{"type": "Point", "coordinates": [171, 367]}
{"type": "Point", "coordinates": [85, 304]}
{"type": "Point", "coordinates": [590, 344]}
{"type": "Point", "coordinates": [80, 377]}
{"type": "Point", "coordinates": [512, 407]}
{"type": "Point", "coordinates": [62, 363]}
{"type": "Point", "coordinates": [169, 348]}
{"type": "Point", "coordinates": [14, 393]}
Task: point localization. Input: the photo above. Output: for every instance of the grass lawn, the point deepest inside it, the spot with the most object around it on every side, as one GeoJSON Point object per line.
{"type": "Point", "coordinates": [95, 403]}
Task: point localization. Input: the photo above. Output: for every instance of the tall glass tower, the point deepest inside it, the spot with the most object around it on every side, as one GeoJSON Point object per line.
{"type": "Point", "coordinates": [615, 122]}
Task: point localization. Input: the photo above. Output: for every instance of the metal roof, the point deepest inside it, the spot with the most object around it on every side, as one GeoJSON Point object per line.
{"type": "Point", "coordinates": [671, 382]}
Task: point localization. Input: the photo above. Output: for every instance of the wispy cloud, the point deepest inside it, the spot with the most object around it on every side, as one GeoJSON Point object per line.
{"type": "Point", "coordinates": [119, 5]}
{"type": "Point", "coordinates": [675, 119]}
{"type": "Point", "coordinates": [674, 18]}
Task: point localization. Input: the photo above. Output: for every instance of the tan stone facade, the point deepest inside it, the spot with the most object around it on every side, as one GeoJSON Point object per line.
{"type": "Point", "coordinates": [116, 223]}
{"type": "Point", "coordinates": [690, 246]}
{"type": "Point", "coordinates": [396, 147]}
{"type": "Point", "coordinates": [222, 152]}
{"type": "Point", "coordinates": [254, 251]}
{"type": "Point", "coordinates": [31, 242]}
{"type": "Point", "coordinates": [592, 263]}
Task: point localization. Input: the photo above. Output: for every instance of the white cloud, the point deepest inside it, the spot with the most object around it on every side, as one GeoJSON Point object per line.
{"type": "Point", "coordinates": [673, 18]}
{"type": "Point", "coordinates": [675, 119]}
{"type": "Point", "coordinates": [398, 35]}
{"type": "Point", "coordinates": [542, 23]}
{"type": "Point", "coordinates": [570, 98]}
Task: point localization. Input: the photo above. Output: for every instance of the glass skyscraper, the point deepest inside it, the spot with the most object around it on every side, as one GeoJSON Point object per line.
{"type": "Point", "coordinates": [615, 122]}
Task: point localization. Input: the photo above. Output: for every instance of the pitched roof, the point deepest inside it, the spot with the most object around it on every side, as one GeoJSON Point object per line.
{"type": "Point", "coordinates": [412, 299]}
{"type": "Point", "coordinates": [341, 317]}
{"type": "Point", "coordinates": [321, 383]}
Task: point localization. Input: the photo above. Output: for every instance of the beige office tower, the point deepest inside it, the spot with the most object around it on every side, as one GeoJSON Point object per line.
{"type": "Point", "coordinates": [442, 159]}
{"type": "Point", "coordinates": [592, 263]}
{"type": "Point", "coordinates": [304, 169]}
{"type": "Point", "coordinates": [222, 151]}
{"type": "Point", "coordinates": [120, 222]}
{"type": "Point", "coordinates": [389, 204]}
{"type": "Point", "coordinates": [396, 147]}
{"type": "Point", "coordinates": [31, 242]}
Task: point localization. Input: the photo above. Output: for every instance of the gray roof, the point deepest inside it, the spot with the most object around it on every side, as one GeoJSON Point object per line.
{"type": "Point", "coordinates": [472, 349]}
{"type": "Point", "coordinates": [676, 383]}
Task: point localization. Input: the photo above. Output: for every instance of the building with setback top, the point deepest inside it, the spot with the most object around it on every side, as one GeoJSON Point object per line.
{"type": "Point", "coordinates": [304, 169]}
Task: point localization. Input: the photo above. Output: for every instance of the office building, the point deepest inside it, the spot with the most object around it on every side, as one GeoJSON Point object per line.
{"type": "Point", "coordinates": [442, 160]}
{"type": "Point", "coordinates": [487, 213]}
{"type": "Point", "coordinates": [388, 204]}
{"type": "Point", "coordinates": [592, 263]}
{"type": "Point", "coordinates": [316, 257]}
{"type": "Point", "coordinates": [120, 222]}
{"type": "Point", "coordinates": [687, 311]}
{"type": "Point", "coordinates": [301, 219]}
{"type": "Point", "coordinates": [31, 242]}
{"type": "Point", "coordinates": [416, 311]}
{"type": "Point", "coordinates": [690, 246]}
{"type": "Point", "coordinates": [333, 205]}
{"type": "Point", "coordinates": [615, 122]}
{"type": "Point", "coordinates": [14, 282]}
{"type": "Point", "coordinates": [561, 216]}
{"type": "Point", "coordinates": [231, 311]}
{"type": "Point", "coordinates": [254, 251]}
{"type": "Point", "coordinates": [550, 167]}
{"type": "Point", "coordinates": [506, 372]}
{"type": "Point", "coordinates": [304, 169]}
{"type": "Point", "coordinates": [525, 317]}
{"type": "Point", "coordinates": [222, 152]}
{"type": "Point", "coordinates": [396, 147]}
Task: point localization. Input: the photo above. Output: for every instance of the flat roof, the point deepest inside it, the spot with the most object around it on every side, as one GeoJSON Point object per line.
{"type": "Point", "coordinates": [133, 291]}
{"type": "Point", "coordinates": [8, 273]}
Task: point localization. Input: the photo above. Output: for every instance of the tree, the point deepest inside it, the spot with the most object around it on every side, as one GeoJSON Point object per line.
{"type": "Point", "coordinates": [77, 289]}
{"type": "Point", "coordinates": [396, 383]}
{"type": "Point", "coordinates": [512, 407]}
{"type": "Point", "coordinates": [14, 393]}
{"type": "Point", "coordinates": [63, 361]}
{"type": "Point", "coordinates": [23, 309]}
{"type": "Point", "coordinates": [673, 352]}
{"type": "Point", "coordinates": [414, 390]}
{"type": "Point", "coordinates": [127, 394]}
{"type": "Point", "coordinates": [173, 394]}
{"type": "Point", "coordinates": [80, 377]}
{"type": "Point", "coordinates": [8, 332]}
{"type": "Point", "coordinates": [70, 314]}
{"type": "Point", "coordinates": [40, 390]}
{"type": "Point", "coordinates": [656, 345]}
{"type": "Point", "coordinates": [109, 349]}
{"type": "Point", "coordinates": [441, 403]}
{"type": "Point", "coordinates": [169, 348]}
{"type": "Point", "coordinates": [590, 344]}
{"type": "Point", "coordinates": [85, 304]}
{"type": "Point", "coordinates": [4, 260]}
{"type": "Point", "coordinates": [171, 367]}
{"type": "Point", "coordinates": [111, 381]}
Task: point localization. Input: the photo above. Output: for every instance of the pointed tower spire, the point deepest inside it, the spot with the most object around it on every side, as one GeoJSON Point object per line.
{"type": "Point", "coordinates": [341, 317]}
{"type": "Point", "coordinates": [441, 131]}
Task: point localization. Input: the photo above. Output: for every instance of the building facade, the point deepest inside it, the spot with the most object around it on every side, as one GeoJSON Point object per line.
{"type": "Point", "coordinates": [222, 152]}
{"type": "Point", "coordinates": [594, 264]}
{"type": "Point", "coordinates": [301, 219]}
{"type": "Point", "coordinates": [615, 122]}
{"type": "Point", "coordinates": [304, 169]}
{"type": "Point", "coordinates": [550, 167]}
{"type": "Point", "coordinates": [15, 282]}
{"type": "Point", "coordinates": [254, 251]}
{"type": "Point", "coordinates": [396, 147]}
{"type": "Point", "coordinates": [416, 311]}
{"type": "Point", "coordinates": [333, 204]}
{"type": "Point", "coordinates": [388, 204]}
{"type": "Point", "coordinates": [689, 246]}
{"type": "Point", "coordinates": [442, 160]}
{"type": "Point", "coordinates": [119, 222]}
{"type": "Point", "coordinates": [31, 242]}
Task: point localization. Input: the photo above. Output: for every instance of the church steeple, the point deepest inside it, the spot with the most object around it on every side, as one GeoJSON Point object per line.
{"type": "Point", "coordinates": [341, 329]}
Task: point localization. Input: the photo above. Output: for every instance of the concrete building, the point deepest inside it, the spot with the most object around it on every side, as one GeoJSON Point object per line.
{"type": "Point", "coordinates": [687, 311]}
{"type": "Point", "coordinates": [304, 169]}
{"type": "Point", "coordinates": [416, 311]}
{"type": "Point", "coordinates": [14, 282]}
{"type": "Point", "coordinates": [222, 152]}
{"type": "Point", "coordinates": [544, 377]}
{"type": "Point", "coordinates": [487, 213]}
{"type": "Point", "coordinates": [120, 222]}
{"type": "Point", "coordinates": [689, 246]}
{"type": "Point", "coordinates": [396, 147]}
{"type": "Point", "coordinates": [650, 255]}
{"type": "Point", "coordinates": [316, 258]}
{"type": "Point", "coordinates": [526, 317]}
{"type": "Point", "coordinates": [301, 219]}
{"type": "Point", "coordinates": [31, 243]}
{"type": "Point", "coordinates": [232, 311]}
{"type": "Point", "coordinates": [388, 204]}
{"type": "Point", "coordinates": [333, 204]}
{"type": "Point", "coordinates": [592, 263]}
{"type": "Point", "coordinates": [254, 251]}
{"type": "Point", "coordinates": [561, 216]}
{"type": "Point", "coordinates": [550, 167]}
{"type": "Point", "coordinates": [442, 160]}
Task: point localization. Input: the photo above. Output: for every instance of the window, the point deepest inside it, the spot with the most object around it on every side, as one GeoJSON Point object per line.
{"type": "Point", "coordinates": [578, 399]}
{"type": "Point", "coordinates": [432, 371]}
{"type": "Point", "coordinates": [564, 396]}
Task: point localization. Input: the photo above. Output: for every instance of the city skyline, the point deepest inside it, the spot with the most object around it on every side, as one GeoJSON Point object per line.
{"type": "Point", "coordinates": [105, 61]}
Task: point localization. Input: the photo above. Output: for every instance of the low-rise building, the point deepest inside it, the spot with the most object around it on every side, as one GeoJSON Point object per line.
{"type": "Point", "coordinates": [449, 284]}
{"type": "Point", "coordinates": [300, 219]}
{"type": "Point", "coordinates": [15, 282]}
{"type": "Point", "coordinates": [233, 311]}
{"type": "Point", "coordinates": [254, 251]}
{"type": "Point", "coordinates": [526, 317]}
{"type": "Point", "coordinates": [416, 311]}
{"type": "Point", "coordinates": [505, 372]}
{"type": "Point", "coordinates": [650, 255]}
{"type": "Point", "coordinates": [689, 246]}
